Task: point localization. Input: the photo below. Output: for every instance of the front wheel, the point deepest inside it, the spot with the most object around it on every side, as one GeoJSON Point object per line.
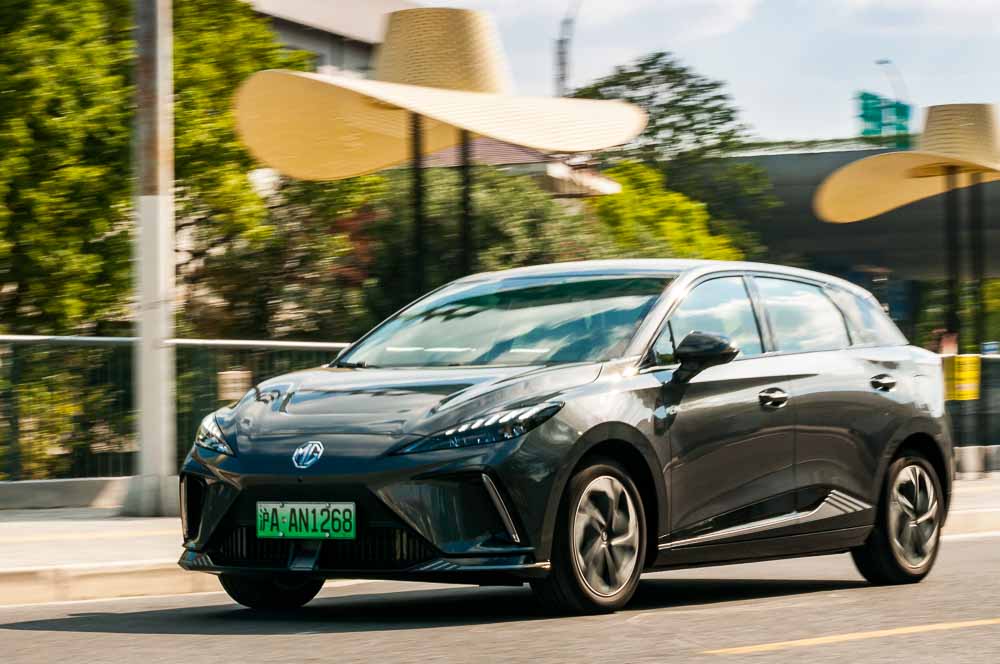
{"type": "Point", "coordinates": [903, 545]}
{"type": "Point", "coordinates": [599, 543]}
{"type": "Point", "coordinates": [282, 591]}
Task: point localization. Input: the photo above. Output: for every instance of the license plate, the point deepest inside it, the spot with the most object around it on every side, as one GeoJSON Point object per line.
{"type": "Point", "coordinates": [306, 521]}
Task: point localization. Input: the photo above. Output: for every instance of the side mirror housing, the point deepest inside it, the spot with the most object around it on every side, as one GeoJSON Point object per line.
{"type": "Point", "coordinates": [700, 350]}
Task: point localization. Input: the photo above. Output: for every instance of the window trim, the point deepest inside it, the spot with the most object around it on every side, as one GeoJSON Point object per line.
{"type": "Point", "coordinates": [816, 283]}
{"type": "Point", "coordinates": [647, 362]}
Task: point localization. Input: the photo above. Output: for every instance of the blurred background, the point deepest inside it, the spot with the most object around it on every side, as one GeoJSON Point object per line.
{"type": "Point", "coordinates": [751, 104]}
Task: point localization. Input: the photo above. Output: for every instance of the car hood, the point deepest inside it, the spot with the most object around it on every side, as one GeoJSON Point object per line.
{"type": "Point", "coordinates": [390, 402]}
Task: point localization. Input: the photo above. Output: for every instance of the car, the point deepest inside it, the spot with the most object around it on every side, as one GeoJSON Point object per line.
{"type": "Point", "coordinates": [572, 426]}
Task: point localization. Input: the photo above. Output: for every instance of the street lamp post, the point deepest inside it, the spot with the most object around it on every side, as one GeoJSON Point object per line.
{"type": "Point", "coordinates": [150, 490]}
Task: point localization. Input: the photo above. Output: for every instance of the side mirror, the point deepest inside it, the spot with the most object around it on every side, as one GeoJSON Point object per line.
{"type": "Point", "coordinates": [700, 350]}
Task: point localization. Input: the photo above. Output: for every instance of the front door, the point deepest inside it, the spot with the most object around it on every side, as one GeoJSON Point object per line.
{"type": "Point", "coordinates": [730, 429]}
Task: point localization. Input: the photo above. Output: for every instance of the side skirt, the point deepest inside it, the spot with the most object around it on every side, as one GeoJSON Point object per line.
{"type": "Point", "coordinates": [771, 548]}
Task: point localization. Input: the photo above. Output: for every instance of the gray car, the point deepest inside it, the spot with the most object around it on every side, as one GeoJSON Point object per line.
{"type": "Point", "coordinates": [574, 425]}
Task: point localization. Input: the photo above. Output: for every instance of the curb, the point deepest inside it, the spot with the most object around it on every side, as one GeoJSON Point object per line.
{"type": "Point", "coordinates": [974, 461]}
{"type": "Point", "coordinates": [80, 582]}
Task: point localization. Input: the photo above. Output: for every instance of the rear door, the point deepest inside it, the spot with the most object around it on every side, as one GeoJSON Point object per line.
{"type": "Point", "coordinates": [845, 400]}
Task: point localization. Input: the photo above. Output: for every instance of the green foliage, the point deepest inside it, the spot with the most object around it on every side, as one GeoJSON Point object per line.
{"type": "Point", "coordinates": [65, 114]}
{"type": "Point", "coordinates": [646, 219]}
{"type": "Point", "coordinates": [217, 44]}
{"type": "Point", "coordinates": [301, 275]}
{"type": "Point", "coordinates": [693, 127]}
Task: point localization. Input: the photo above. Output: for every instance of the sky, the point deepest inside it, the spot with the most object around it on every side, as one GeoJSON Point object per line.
{"type": "Point", "coordinates": [793, 67]}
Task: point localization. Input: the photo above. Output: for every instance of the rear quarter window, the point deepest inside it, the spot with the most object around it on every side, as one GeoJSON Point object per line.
{"type": "Point", "coordinates": [803, 318]}
{"type": "Point", "coordinates": [867, 321]}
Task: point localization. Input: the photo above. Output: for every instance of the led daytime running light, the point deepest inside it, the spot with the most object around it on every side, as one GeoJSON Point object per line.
{"type": "Point", "coordinates": [486, 430]}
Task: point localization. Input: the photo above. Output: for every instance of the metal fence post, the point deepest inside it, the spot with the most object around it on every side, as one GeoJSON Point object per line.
{"type": "Point", "coordinates": [13, 460]}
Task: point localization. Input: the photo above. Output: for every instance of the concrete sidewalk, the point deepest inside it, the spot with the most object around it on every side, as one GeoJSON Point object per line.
{"type": "Point", "coordinates": [74, 554]}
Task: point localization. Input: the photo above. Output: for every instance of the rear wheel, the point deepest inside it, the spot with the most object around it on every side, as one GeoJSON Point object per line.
{"type": "Point", "coordinates": [599, 542]}
{"type": "Point", "coordinates": [903, 545]}
{"type": "Point", "coordinates": [282, 591]}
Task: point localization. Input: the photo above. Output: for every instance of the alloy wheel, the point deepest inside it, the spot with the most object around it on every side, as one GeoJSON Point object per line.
{"type": "Point", "coordinates": [606, 536]}
{"type": "Point", "coordinates": [913, 516]}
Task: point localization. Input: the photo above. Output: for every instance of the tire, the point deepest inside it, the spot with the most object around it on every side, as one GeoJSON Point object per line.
{"type": "Point", "coordinates": [285, 591]}
{"type": "Point", "coordinates": [616, 554]}
{"type": "Point", "coordinates": [887, 560]}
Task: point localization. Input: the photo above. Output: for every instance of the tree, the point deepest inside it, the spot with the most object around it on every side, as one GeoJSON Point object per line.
{"type": "Point", "coordinates": [647, 219]}
{"type": "Point", "coordinates": [309, 259]}
{"type": "Point", "coordinates": [66, 219]}
{"type": "Point", "coordinates": [516, 223]}
{"type": "Point", "coordinates": [693, 128]}
{"type": "Point", "coordinates": [65, 114]}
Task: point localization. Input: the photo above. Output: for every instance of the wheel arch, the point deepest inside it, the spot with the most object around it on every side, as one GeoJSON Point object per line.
{"type": "Point", "coordinates": [921, 440]}
{"type": "Point", "coordinates": [626, 445]}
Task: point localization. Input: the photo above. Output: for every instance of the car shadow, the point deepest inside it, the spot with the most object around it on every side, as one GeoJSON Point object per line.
{"type": "Point", "coordinates": [410, 609]}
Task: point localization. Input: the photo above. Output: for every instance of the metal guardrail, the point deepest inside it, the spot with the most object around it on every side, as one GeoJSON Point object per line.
{"type": "Point", "coordinates": [67, 407]}
{"type": "Point", "coordinates": [195, 343]}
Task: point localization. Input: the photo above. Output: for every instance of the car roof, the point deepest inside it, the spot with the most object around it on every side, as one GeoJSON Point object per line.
{"type": "Point", "coordinates": [667, 267]}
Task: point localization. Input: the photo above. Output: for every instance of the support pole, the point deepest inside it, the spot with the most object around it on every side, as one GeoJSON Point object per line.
{"type": "Point", "coordinates": [419, 249]}
{"type": "Point", "coordinates": [951, 227]}
{"type": "Point", "coordinates": [977, 255]}
{"type": "Point", "coordinates": [468, 240]}
{"type": "Point", "coordinates": [152, 491]}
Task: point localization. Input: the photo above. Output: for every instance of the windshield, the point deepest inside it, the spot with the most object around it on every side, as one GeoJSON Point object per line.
{"type": "Point", "coordinates": [516, 321]}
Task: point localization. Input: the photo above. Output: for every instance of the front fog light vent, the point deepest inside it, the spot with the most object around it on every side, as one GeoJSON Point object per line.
{"type": "Point", "coordinates": [508, 522]}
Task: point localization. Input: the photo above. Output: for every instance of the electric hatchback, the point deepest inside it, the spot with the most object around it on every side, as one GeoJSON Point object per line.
{"type": "Point", "coordinates": [574, 425]}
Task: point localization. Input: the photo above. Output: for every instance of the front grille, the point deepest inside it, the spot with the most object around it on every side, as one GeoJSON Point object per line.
{"type": "Point", "coordinates": [376, 548]}
{"type": "Point", "coordinates": [242, 548]}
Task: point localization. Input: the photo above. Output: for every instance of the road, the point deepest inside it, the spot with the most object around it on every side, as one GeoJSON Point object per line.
{"type": "Point", "coordinates": [814, 609]}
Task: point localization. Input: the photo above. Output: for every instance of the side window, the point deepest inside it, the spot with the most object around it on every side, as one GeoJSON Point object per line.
{"type": "Point", "coordinates": [869, 324]}
{"type": "Point", "coordinates": [802, 317]}
{"type": "Point", "coordinates": [720, 306]}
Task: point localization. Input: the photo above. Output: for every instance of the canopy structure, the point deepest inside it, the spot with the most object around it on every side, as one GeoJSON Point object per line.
{"type": "Point", "coordinates": [958, 149]}
{"type": "Point", "coordinates": [440, 78]}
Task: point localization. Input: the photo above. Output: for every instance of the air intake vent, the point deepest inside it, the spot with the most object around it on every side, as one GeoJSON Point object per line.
{"type": "Point", "coordinates": [377, 548]}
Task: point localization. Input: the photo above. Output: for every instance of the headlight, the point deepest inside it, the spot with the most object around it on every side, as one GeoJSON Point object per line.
{"type": "Point", "coordinates": [210, 436]}
{"type": "Point", "coordinates": [493, 428]}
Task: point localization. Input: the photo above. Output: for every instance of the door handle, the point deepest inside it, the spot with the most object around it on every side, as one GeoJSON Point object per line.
{"type": "Point", "coordinates": [773, 398]}
{"type": "Point", "coordinates": [883, 382]}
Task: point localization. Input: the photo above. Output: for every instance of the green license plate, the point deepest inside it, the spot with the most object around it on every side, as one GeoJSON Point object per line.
{"type": "Point", "coordinates": [306, 520]}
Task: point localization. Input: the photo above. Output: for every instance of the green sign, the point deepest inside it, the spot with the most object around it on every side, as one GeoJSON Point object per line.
{"type": "Point", "coordinates": [881, 116]}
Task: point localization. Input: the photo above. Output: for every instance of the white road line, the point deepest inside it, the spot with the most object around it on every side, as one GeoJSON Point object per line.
{"type": "Point", "coordinates": [964, 537]}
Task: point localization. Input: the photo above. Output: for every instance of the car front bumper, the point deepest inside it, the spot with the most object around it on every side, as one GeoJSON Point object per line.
{"type": "Point", "coordinates": [455, 515]}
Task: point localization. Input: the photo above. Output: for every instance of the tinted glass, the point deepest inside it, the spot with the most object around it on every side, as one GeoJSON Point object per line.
{"type": "Point", "coordinates": [514, 322]}
{"type": "Point", "coordinates": [869, 324]}
{"type": "Point", "coordinates": [720, 306]}
{"type": "Point", "coordinates": [802, 317]}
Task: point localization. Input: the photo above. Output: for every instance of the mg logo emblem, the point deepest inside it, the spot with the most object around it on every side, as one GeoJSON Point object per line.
{"type": "Point", "coordinates": [307, 454]}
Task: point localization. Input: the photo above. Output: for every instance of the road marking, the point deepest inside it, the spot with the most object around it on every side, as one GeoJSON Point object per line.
{"type": "Point", "coordinates": [964, 537]}
{"type": "Point", "coordinates": [75, 537]}
{"type": "Point", "coordinates": [853, 636]}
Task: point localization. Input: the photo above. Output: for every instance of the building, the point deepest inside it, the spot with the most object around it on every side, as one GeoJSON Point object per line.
{"type": "Point", "coordinates": [888, 253]}
{"type": "Point", "coordinates": [341, 34]}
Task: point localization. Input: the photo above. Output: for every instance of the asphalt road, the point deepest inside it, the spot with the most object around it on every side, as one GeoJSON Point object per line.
{"type": "Point", "coordinates": [814, 609]}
